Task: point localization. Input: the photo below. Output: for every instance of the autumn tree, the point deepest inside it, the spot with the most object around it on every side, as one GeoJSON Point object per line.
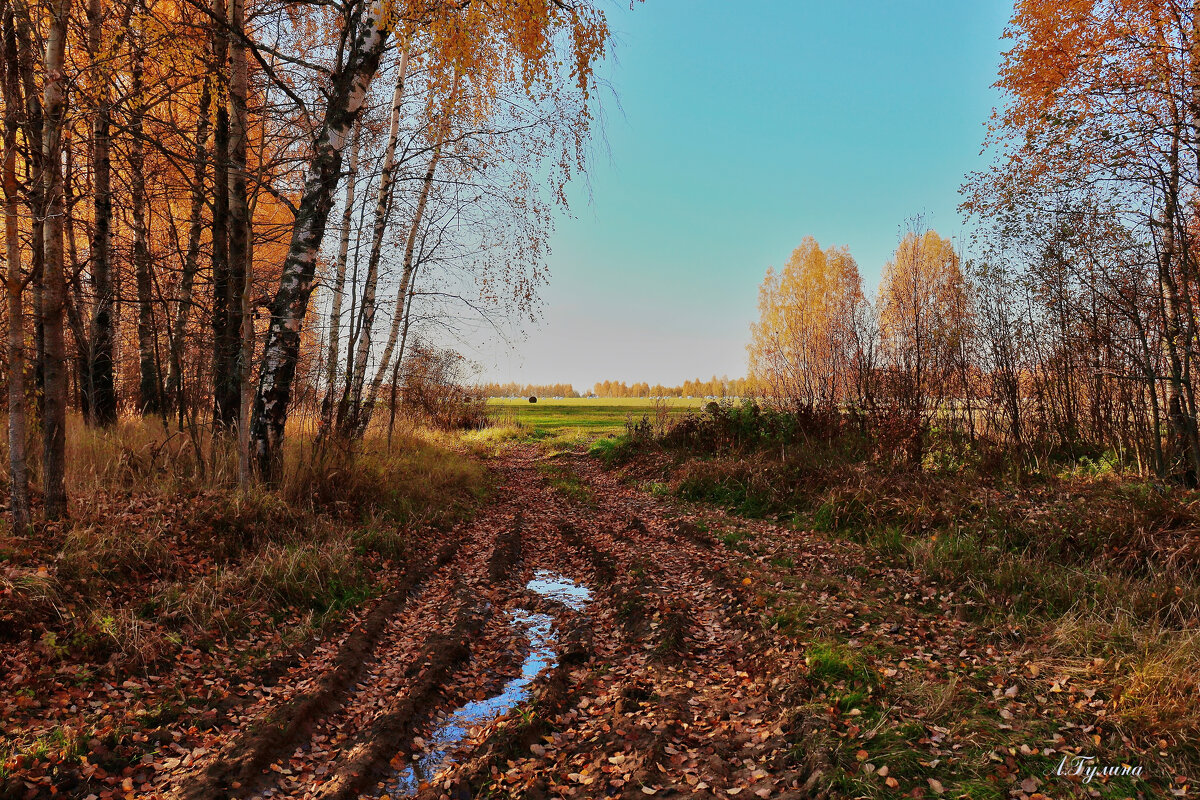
{"type": "Point", "coordinates": [468, 37]}
{"type": "Point", "coordinates": [924, 319]}
{"type": "Point", "coordinates": [1100, 118]}
{"type": "Point", "coordinates": [803, 343]}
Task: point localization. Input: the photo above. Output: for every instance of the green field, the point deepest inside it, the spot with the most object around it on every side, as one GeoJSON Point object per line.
{"type": "Point", "coordinates": [585, 416]}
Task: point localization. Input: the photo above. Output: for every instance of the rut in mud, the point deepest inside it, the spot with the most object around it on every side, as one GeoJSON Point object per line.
{"type": "Point", "coordinates": [554, 645]}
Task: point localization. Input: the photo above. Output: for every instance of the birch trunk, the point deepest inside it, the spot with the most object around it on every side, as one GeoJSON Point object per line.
{"type": "Point", "coordinates": [383, 200]}
{"type": "Point", "coordinates": [339, 288]}
{"type": "Point", "coordinates": [405, 281]}
{"type": "Point", "coordinates": [348, 87]}
{"type": "Point", "coordinates": [412, 290]}
{"type": "Point", "coordinates": [54, 105]}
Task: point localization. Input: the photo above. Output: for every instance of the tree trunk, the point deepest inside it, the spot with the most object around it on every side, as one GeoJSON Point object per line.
{"type": "Point", "coordinates": [348, 87]}
{"type": "Point", "coordinates": [225, 397]}
{"type": "Point", "coordinates": [191, 260]}
{"type": "Point", "coordinates": [149, 392]}
{"type": "Point", "coordinates": [35, 129]}
{"type": "Point", "coordinates": [239, 211]}
{"type": "Point", "coordinates": [239, 233]}
{"type": "Point", "coordinates": [412, 291]}
{"type": "Point", "coordinates": [74, 301]}
{"type": "Point", "coordinates": [383, 201]}
{"type": "Point", "coordinates": [339, 288]}
{"type": "Point", "coordinates": [14, 283]}
{"type": "Point", "coordinates": [54, 107]}
{"type": "Point", "coordinates": [1175, 333]}
{"type": "Point", "coordinates": [364, 415]}
{"type": "Point", "coordinates": [100, 388]}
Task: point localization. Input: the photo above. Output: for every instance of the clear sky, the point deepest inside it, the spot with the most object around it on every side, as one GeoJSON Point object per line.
{"type": "Point", "coordinates": [741, 127]}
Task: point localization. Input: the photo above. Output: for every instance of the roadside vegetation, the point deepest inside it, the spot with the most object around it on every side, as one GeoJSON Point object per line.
{"type": "Point", "coordinates": [1084, 567]}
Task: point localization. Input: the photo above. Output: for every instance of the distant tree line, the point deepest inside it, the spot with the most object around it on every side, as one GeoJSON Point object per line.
{"type": "Point", "coordinates": [525, 390]}
{"type": "Point", "coordinates": [713, 387]}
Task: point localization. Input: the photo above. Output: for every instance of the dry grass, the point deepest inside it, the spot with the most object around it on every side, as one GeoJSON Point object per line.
{"type": "Point", "coordinates": [112, 552]}
{"type": "Point", "coordinates": [140, 455]}
{"type": "Point", "coordinates": [484, 442]}
{"type": "Point", "coordinates": [418, 479]}
{"type": "Point", "coordinates": [1156, 669]}
{"type": "Point", "coordinates": [162, 543]}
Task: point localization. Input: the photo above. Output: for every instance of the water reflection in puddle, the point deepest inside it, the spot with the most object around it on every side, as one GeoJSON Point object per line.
{"type": "Point", "coordinates": [553, 586]}
{"type": "Point", "coordinates": [542, 654]}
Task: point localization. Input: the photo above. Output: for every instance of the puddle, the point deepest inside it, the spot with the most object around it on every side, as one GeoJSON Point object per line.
{"type": "Point", "coordinates": [450, 732]}
{"type": "Point", "coordinates": [553, 586]}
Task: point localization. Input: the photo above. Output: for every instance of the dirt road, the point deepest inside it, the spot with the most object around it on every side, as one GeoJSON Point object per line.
{"type": "Point", "coordinates": [583, 637]}
{"type": "Point", "coordinates": [646, 673]}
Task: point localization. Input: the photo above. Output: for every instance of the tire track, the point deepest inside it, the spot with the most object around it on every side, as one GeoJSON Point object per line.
{"type": "Point", "coordinates": [644, 719]}
{"type": "Point", "coordinates": [242, 770]}
{"type": "Point", "coordinates": [406, 680]}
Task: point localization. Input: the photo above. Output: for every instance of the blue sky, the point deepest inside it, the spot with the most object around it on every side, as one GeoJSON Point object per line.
{"type": "Point", "coordinates": [741, 127]}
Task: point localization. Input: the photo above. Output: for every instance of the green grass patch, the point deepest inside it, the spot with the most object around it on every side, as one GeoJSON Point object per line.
{"type": "Point", "coordinates": [592, 416]}
{"type": "Point", "coordinates": [735, 540]}
{"type": "Point", "coordinates": [566, 482]}
{"type": "Point", "coordinates": [831, 662]}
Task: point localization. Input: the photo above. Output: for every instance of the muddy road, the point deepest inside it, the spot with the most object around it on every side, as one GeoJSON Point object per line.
{"type": "Point", "coordinates": [584, 637]}
{"type": "Point", "coordinates": [582, 643]}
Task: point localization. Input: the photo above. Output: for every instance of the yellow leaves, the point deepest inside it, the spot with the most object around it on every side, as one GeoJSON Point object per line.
{"type": "Point", "coordinates": [923, 306]}
{"type": "Point", "coordinates": [806, 315]}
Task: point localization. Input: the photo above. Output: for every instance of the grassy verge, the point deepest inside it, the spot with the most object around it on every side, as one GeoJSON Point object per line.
{"type": "Point", "coordinates": [1081, 582]}
{"type": "Point", "coordinates": [1065, 544]}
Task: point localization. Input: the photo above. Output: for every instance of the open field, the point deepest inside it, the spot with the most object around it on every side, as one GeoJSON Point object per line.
{"type": "Point", "coordinates": [589, 416]}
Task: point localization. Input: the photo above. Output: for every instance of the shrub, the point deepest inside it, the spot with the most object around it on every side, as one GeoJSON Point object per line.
{"type": "Point", "coordinates": [729, 426]}
{"type": "Point", "coordinates": [431, 391]}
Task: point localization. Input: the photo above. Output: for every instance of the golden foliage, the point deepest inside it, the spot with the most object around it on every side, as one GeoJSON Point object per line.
{"type": "Point", "coordinates": [801, 346]}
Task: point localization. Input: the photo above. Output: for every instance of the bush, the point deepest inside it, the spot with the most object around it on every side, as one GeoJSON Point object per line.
{"type": "Point", "coordinates": [747, 425]}
{"type": "Point", "coordinates": [431, 391]}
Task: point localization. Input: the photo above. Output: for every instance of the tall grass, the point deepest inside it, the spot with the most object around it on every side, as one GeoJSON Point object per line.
{"type": "Point", "coordinates": [409, 468]}
{"type": "Point", "coordinates": [161, 538]}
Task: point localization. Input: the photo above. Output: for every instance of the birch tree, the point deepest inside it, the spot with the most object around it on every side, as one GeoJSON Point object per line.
{"type": "Point", "coordinates": [54, 422]}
